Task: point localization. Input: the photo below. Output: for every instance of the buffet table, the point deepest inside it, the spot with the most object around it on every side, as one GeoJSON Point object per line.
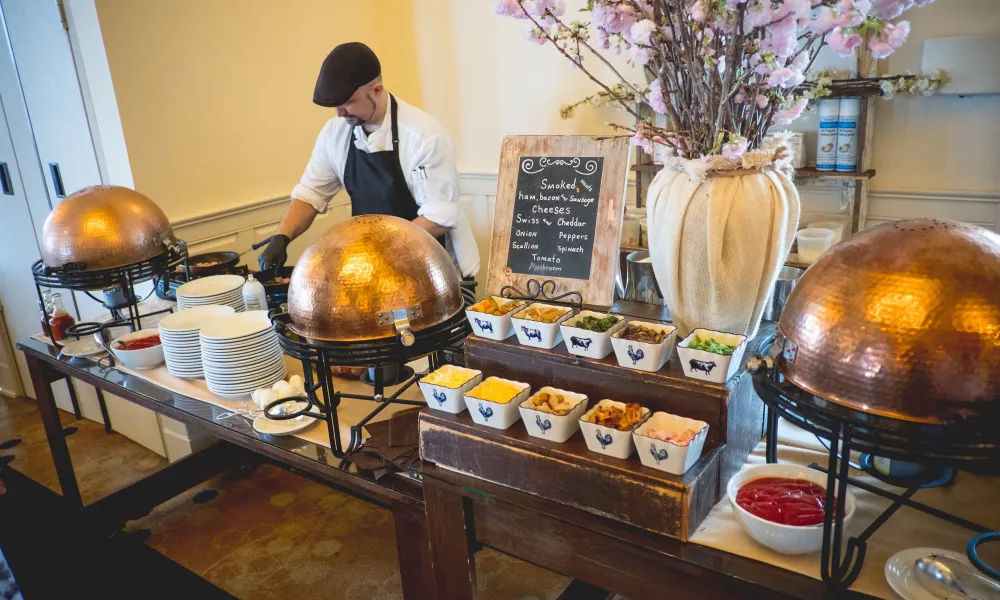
{"type": "Point", "coordinates": [619, 526]}
{"type": "Point", "coordinates": [399, 493]}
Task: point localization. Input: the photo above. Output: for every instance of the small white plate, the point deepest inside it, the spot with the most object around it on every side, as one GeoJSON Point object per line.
{"type": "Point", "coordinates": [273, 427]}
{"type": "Point", "coordinates": [88, 346]}
{"type": "Point", "coordinates": [190, 321]}
{"type": "Point", "coordinates": [236, 326]}
{"type": "Point", "coordinates": [902, 578]}
{"type": "Point", "coordinates": [216, 285]}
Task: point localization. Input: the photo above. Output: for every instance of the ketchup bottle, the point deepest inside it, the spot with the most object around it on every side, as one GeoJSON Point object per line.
{"type": "Point", "coordinates": [61, 319]}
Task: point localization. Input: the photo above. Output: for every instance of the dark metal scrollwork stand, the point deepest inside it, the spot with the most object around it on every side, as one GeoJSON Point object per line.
{"type": "Point", "coordinates": [541, 291]}
{"type": "Point", "coordinates": [842, 432]}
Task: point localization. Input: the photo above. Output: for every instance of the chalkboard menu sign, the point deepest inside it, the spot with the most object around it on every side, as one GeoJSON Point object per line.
{"type": "Point", "coordinates": [555, 216]}
{"type": "Point", "coordinates": [558, 214]}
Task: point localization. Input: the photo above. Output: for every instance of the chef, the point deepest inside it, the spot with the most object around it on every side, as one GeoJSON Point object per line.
{"type": "Point", "coordinates": [393, 158]}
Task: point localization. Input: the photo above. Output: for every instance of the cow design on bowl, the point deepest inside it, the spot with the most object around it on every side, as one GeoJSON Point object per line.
{"type": "Point", "coordinates": [484, 326]}
{"type": "Point", "coordinates": [532, 334]}
{"type": "Point", "coordinates": [578, 342]}
{"type": "Point", "coordinates": [702, 365]}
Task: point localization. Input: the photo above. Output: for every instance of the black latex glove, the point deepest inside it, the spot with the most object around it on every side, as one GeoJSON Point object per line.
{"type": "Point", "coordinates": [274, 256]}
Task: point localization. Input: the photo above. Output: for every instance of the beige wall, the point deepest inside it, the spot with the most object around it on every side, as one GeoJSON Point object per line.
{"type": "Point", "coordinates": [215, 96]}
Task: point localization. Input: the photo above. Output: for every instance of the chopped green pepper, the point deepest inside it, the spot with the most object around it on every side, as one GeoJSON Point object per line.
{"type": "Point", "coordinates": [711, 345]}
{"type": "Point", "coordinates": [598, 324]}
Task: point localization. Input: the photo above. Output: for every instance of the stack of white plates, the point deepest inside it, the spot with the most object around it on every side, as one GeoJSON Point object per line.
{"type": "Point", "coordinates": [226, 290]}
{"type": "Point", "coordinates": [240, 353]}
{"type": "Point", "coordinates": [179, 334]}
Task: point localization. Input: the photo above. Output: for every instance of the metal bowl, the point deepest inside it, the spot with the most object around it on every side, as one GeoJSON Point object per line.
{"type": "Point", "coordinates": [903, 321]}
{"type": "Point", "coordinates": [366, 276]}
{"type": "Point", "coordinates": [104, 226]}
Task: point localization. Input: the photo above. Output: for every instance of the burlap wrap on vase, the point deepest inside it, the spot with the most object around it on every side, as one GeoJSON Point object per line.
{"type": "Point", "coordinates": [720, 231]}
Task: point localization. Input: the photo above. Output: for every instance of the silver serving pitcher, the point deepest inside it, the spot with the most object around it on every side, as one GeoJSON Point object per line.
{"type": "Point", "coordinates": [782, 288]}
{"type": "Point", "coordinates": [640, 282]}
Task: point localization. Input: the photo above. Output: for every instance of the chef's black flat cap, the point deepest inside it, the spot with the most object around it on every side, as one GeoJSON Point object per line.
{"type": "Point", "coordinates": [348, 67]}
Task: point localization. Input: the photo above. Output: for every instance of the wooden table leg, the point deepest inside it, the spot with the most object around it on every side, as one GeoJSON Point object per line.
{"type": "Point", "coordinates": [414, 552]}
{"type": "Point", "coordinates": [452, 540]}
{"type": "Point", "coordinates": [41, 379]}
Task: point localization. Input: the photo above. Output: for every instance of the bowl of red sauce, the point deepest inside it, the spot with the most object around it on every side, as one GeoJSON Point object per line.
{"type": "Point", "coordinates": [139, 350]}
{"type": "Point", "coordinates": [782, 506]}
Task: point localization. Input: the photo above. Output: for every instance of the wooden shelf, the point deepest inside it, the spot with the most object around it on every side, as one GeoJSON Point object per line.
{"type": "Point", "coordinates": [647, 168]}
{"type": "Point", "coordinates": [812, 173]}
{"type": "Point", "coordinates": [633, 249]}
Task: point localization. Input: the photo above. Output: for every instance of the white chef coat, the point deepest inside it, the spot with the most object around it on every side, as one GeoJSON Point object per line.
{"type": "Point", "coordinates": [428, 161]}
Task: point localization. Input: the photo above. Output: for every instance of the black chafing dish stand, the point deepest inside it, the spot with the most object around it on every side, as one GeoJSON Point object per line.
{"type": "Point", "coordinates": [120, 299]}
{"type": "Point", "coordinates": [378, 354]}
{"type": "Point", "coordinates": [960, 443]}
{"type": "Point", "coordinates": [119, 282]}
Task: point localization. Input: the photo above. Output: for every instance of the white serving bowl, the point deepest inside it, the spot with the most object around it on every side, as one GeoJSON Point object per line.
{"type": "Point", "coordinates": [709, 366]}
{"type": "Point", "coordinates": [147, 358]}
{"type": "Point", "coordinates": [492, 327]}
{"type": "Point", "coordinates": [584, 342]}
{"type": "Point", "coordinates": [785, 539]}
{"type": "Point", "coordinates": [668, 456]}
{"type": "Point", "coordinates": [607, 440]}
{"type": "Point", "coordinates": [643, 356]}
{"type": "Point", "coordinates": [555, 428]}
{"type": "Point", "coordinates": [537, 334]}
{"type": "Point", "coordinates": [499, 415]}
{"type": "Point", "coordinates": [450, 399]}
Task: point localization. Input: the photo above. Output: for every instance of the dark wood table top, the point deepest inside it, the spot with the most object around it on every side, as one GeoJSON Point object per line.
{"type": "Point", "coordinates": [313, 459]}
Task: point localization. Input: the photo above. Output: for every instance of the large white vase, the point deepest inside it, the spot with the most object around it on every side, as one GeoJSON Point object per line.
{"type": "Point", "coordinates": [720, 230]}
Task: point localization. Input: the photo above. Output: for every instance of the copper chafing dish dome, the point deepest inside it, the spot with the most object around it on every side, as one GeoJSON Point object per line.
{"type": "Point", "coordinates": [902, 320]}
{"type": "Point", "coordinates": [346, 284]}
{"type": "Point", "coordinates": [104, 226]}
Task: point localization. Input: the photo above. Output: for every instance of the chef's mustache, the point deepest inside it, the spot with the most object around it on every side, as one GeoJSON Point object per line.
{"type": "Point", "coordinates": [357, 120]}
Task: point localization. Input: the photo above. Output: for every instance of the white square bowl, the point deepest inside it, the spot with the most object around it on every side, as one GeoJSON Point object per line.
{"type": "Point", "coordinates": [537, 334]}
{"type": "Point", "coordinates": [584, 342]}
{"type": "Point", "coordinates": [668, 456]}
{"type": "Point", "coordinates": [499, 415]}
{"type": "Point", "coordinates": [492, 327]}
{"type": "Point", "coordinates": [555, 428]}
{"type": "Point", "coordinates": [709, 366]}
{"type": "Point", "coordinates": [643, 356]}
{"type": "Point", "coordinates": [448, 399]}
{"type": "Point", "coordinates": [607, 440]}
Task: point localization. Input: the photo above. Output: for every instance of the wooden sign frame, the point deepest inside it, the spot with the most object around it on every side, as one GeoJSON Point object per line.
{"type": "Point", "coordinates": [600, 288]}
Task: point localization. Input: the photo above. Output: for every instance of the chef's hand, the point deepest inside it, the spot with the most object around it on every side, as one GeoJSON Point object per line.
{"type": "Point", "coordinates": [274, 256]}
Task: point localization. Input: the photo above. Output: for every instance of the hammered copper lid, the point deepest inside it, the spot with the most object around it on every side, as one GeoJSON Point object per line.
{"type": "Point", "coordinates": [104, 226]}
{"type": "Point", "coordinates": [902, 320]}
{"type": "Point", "coordinates": [367, 266]}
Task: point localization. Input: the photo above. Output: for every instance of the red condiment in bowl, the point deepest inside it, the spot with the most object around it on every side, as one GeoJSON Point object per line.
{"type": "Point", "coordinates": [139, 343]}
{"type": "Point", "coordinates": [796, 502]}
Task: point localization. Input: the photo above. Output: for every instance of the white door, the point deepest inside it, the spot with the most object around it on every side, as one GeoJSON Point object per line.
{"type": "Point", "coordinates": [50, 85]}
{"type": "Point", "coordinates": [18, 248]}
{"type": "Point", "coordinates": [48, 126]}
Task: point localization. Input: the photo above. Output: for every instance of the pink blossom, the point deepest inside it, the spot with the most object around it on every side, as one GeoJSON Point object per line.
{"type": "Point", "coordinates": [734, 150]}
{"type": "Point", "coordinates": [758, 15]}
{"type": "Point", "coordinates": [734, 4]}
{"type": "Point", "coordinates": [509, 8]}
{"type": "Point", "coordinates": [762, 100]}
{"type": "Point", "coordinates": [697, 11]}
{"type": "Point", "coordinates": [741, 95]}
{"type": "Point", "coordinates": [801, 62]}
{"type": "Point", "coordinates": [889, 39]}
{"type": "Point", "coordinates": [890, 9]}
{"type": "Point", "coordinates": [824, 20]}
{"type": "Point", "coordinates": [639, 55]}
{"type": "Point", "coordinates": [781, 37]}
{"type": "Point", "coordinates": [639, 139]}
{"type": "Point", "coordinates": [613, 17]}
{"type": "Point", "coordinates": [655, 97]}
{"type": "Point", "coordinates": [785, 77]}
{"type": "Point", "coordinates": [538, 8]}
{"type": "Point", "coordinates": [790, 113]}
{"type": "Point", "coordinates": [843, 43]}
{"type": "Point", "coordinates": [642, 32]}
{"type": "Point", "coordinates": [533, 33]}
